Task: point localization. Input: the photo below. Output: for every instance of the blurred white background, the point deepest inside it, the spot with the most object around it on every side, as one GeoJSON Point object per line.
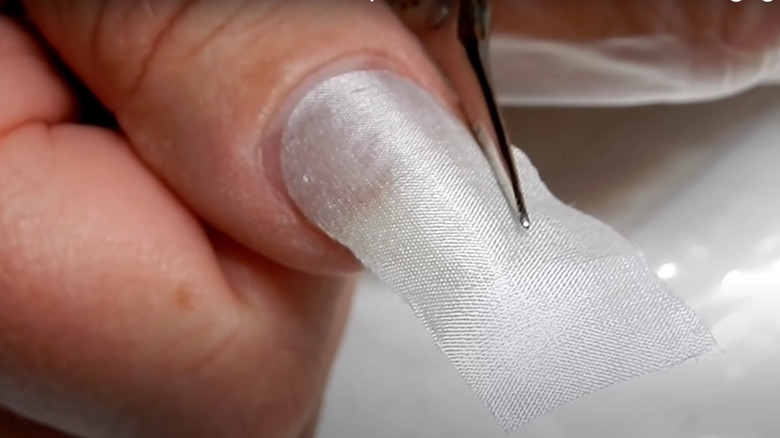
{"type": "Point", "coordinates": [697, 187]}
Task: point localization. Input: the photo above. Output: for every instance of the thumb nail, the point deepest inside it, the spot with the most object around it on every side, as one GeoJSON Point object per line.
{"type": "Point", "coordinates": [367, 151]}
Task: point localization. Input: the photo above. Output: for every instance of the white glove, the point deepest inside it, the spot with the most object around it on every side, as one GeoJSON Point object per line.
{"type": "Point", "coordinates": [629, 52]}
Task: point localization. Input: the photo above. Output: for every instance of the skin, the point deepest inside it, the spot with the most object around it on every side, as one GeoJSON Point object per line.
{"type": "Point", "coordinates": [155, 279]}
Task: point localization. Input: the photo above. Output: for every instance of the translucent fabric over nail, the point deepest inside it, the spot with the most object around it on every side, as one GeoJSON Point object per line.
{"type": "Point", "coordinates": [531, 319]}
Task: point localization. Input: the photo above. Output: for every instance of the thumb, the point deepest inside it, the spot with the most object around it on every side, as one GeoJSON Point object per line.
{"type": "Point", "coordinates": [203, 89]}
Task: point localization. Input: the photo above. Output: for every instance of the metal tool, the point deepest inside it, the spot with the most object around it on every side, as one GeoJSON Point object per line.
{"type": "Point", "coordinates": [455, 34]}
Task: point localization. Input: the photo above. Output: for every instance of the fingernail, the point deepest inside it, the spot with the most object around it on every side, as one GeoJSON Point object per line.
{"type": "Point", "coordinates": [373, 160]}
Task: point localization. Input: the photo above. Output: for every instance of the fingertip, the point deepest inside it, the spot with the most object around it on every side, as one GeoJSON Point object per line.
{"type": "Point", "coordinates": [30, 87]}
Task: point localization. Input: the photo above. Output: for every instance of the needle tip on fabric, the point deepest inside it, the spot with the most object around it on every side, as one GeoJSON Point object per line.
{"type": "Point", "coordinates": [524, 220]}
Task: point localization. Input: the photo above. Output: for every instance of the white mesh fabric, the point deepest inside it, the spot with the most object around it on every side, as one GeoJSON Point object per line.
{"type": "Point", "coordinates": [530, 318]}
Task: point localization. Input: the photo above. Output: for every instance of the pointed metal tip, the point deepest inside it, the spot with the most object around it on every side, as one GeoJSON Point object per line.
{"type": "Point", "coordinates": [524, 220]}
{"type": "Point", "coordinates": [521, 216]}
{"type": "Point", "coordinates": [522, 207]}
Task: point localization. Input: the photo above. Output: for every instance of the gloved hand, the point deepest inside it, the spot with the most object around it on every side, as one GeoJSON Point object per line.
{"type": "Point", "coordinates": [625, 52]}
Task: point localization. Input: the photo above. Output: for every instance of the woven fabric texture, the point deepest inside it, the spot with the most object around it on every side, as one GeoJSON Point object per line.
{"type": "Point", "coordinates": [531, 319]}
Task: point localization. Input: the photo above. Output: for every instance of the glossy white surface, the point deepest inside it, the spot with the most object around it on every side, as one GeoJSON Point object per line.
{"type": "Point", "coordinates": [698, 189]}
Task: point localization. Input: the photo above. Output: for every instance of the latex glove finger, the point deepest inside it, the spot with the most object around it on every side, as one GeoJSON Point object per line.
{"type": "Point", "coordinates": [616, 52]}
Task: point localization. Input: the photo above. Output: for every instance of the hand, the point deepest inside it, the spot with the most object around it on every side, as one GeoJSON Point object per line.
{"type": "Point", "coordinates": [155, 280]}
